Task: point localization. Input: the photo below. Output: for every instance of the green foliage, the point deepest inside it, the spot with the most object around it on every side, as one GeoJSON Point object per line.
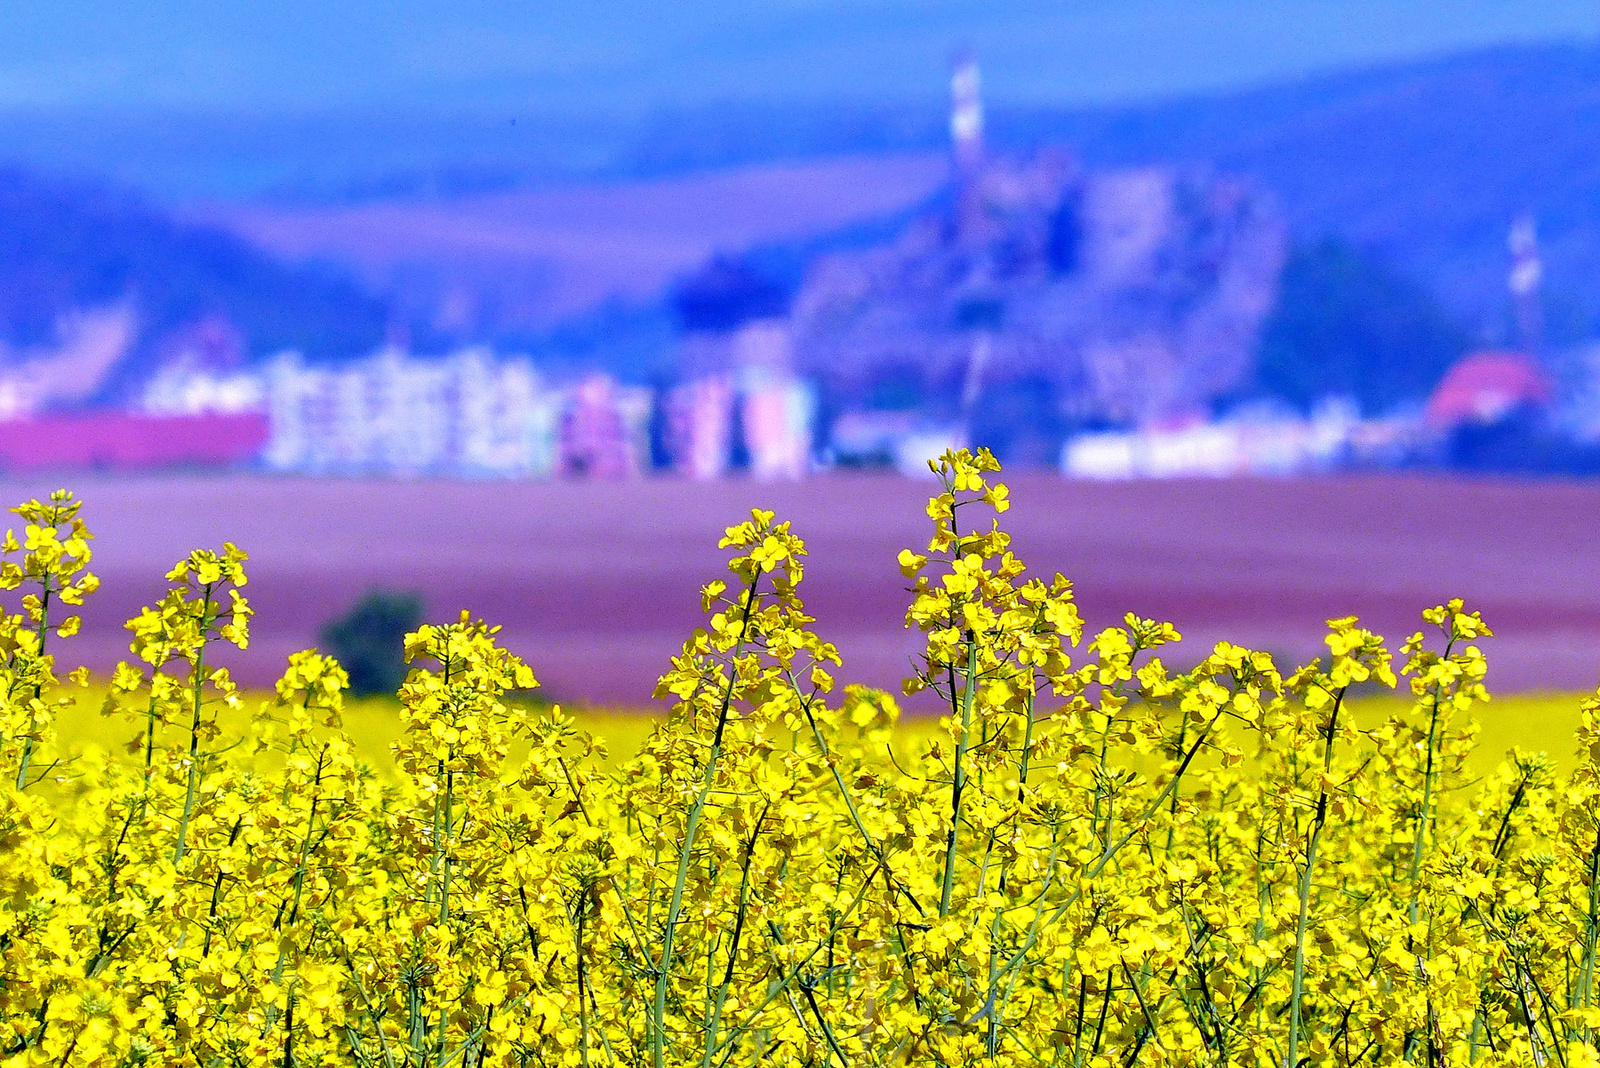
{"type": "Point", "coordinates": [1345, 325]}
{"type": "Point", "coordinates": [1019, 420]}
{"type": "Point", "coordinates": [369, 639]}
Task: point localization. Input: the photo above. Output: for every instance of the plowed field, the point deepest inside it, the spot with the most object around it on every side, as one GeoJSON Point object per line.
{"type": "Point", "coordinates": [596, 582]}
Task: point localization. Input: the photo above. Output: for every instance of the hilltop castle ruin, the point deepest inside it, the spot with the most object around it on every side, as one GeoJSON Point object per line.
{"type": "Point", "coordinates": [1127, 296]}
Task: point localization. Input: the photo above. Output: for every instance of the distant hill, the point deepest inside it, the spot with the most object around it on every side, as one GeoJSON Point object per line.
{"type": "Point", "coordinates": [471, 223]}
{"type": "Point", "coordinates": [71, 250]}
{"type": "Point", "coordinates": [1106, 295]}
{"type": "Point", "coordinates": [1424, 164]}
{"type": "Point", "coordinates": [514, 264]}
{"type": "Point", "coordinates": [1420, 164]}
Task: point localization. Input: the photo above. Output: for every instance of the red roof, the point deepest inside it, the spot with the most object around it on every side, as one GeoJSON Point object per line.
{"type": "Point", "coordinates": [124, 440]}
{"type": "Point", "coordinates": [1483, 386]}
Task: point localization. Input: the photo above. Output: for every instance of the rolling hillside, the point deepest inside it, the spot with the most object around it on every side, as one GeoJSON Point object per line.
{"type": "Point", "coordinates": [106, 280]}
{"type": "Point", "coordinates": [1421, 164]}
{"type": "Point", "coordinates": [524, 260]}
{"type": "Point", "coordinates": [501, 232]}
{"type": "Point", "coordinates": [1424, 163]}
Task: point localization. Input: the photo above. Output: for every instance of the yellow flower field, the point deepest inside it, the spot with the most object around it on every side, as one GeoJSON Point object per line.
{"type": "Point", "coordinates": [1095, 858]}
{"type": "Point", "coordinates": [1535, 722]}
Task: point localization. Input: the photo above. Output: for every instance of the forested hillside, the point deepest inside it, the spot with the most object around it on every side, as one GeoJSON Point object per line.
{"type": "Point", "coordinates": [68, 247]}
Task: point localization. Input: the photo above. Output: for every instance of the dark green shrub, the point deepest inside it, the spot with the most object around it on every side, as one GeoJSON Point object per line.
{"type": "Point", "coordinates": [369, 639]}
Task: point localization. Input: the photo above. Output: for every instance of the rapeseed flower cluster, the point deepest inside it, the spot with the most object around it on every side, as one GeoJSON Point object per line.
{"type": "Point", "coordinates": [1098, 859]}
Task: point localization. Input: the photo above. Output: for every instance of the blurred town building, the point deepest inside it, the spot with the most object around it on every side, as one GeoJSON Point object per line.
{"type": "Point", "coordinates": [700, 426]}
{"type": "Point", "coordinates": [1488, 386]}
{"type": "Point", "coordinates": [713, 422]}
{"type": "Point", "coordinates": [605, 429]}
{"type": "Point", "coordinates": [467, 414]}
{"type": "Point", "coordinates": [777, 415]}
{"type": "Point", "coordinates": [741, 402]}
{"type": "Point", "coordinates": [1108, 322]}
{"type": "Point", "coordinates": [1263, 442]}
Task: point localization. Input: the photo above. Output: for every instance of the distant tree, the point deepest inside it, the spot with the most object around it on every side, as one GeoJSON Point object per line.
{"type": "Point", "coordinates": [896, 387]}
{"type": "Point", "coordinates": [1345, 324]}
{"type": "Point", "coordinates": [1020, 422]}
{"type": "Point", "coordinates": [726, 293]}
{"type": "Point", "coordinates": [1066, 235]}
{"type": "Point", "coordinates": [369, 639]}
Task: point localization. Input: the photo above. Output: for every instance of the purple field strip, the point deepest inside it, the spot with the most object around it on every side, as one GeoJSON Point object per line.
{"type": "Point", "coordinates": [596, 583]}
{"type": "Point", "coordinates": [592, 242]}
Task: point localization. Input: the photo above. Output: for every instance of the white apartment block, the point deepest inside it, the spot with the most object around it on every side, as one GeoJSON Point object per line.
{"type": "Point", "coordinates": [467, 414]}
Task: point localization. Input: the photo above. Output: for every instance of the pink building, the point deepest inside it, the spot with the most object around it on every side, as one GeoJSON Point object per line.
{"type": "Point", "coordinates": [777, 428]}
{"type": "Point", "coordinates": [700, 427]}
{"type": "Point", "coordinates": [605, 429]}
{"type": "Point", "coordinates": [1484, 386]}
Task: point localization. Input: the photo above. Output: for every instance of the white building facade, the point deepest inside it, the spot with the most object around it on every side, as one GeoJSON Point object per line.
{"type": "Point", "coordinates": [466, 414]}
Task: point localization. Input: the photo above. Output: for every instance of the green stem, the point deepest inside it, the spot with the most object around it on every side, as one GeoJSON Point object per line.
{"type": "Point", "coordinates": [444, 891]}
{"type": "Point", "coordinates": [1112, 849]}
{"type": "Point", "coordinates": [733, 948]}
{"type": "Point", "coordinates": [827, 1032]}
{"type": "Point", "coordinates": [1172, 816]}
{"type": "Point", "coordinates": [1423, 817]}
{"type": "Point", "coordinates": [300, 872]}
{"type": "Point", "coordinates": [197, 679]}
{"type": "Point", "coordinates": [27, 740]}
{"type": "Point", "coordinates": [992, 1007]}
{"type": "Point", "coordinates": [583, 1003]}
{"type": "Point", "coordinates": [658, 1036]}
{"type": "Point", "coordinates": [959, 781]}
{"type": "Point", "coordinates": [149, 748]}
{"type": "Point", "coordinates": [1297, 997]}
{"type": "Point", "coordinates": [850, 805]}
{"type": "Point", "coordinates": [438, 867]}
{"type": "Point", "coordinates": [781, 987]}
{"type": "Point", "coordinates": [1591, 934]}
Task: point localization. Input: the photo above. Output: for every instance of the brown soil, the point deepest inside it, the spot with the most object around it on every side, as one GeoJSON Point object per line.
{"type": "Point", "coordinates": [596, 582]}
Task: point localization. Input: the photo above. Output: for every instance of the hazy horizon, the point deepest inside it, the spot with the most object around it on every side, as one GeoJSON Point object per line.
{"type": "Point", "coordinates": [630, 58]}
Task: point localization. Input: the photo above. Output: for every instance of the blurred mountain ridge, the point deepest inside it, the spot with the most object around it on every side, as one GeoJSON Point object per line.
{"type": "Point", "coordinates": [98, 284]}
{"type": "Point", "coordinates": [1420, 166]}
{"type": "Point", "coordinates": [1422, 163]}
{"type": "Point", "coordinates": [509, 266]}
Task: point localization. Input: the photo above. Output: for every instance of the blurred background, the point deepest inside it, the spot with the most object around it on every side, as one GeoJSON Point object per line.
{"type": "Point", "coordinates": [1273, 312]}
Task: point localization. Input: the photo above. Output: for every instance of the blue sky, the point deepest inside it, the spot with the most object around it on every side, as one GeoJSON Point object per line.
{"type": "Point", "coordinates": [616, 56]}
